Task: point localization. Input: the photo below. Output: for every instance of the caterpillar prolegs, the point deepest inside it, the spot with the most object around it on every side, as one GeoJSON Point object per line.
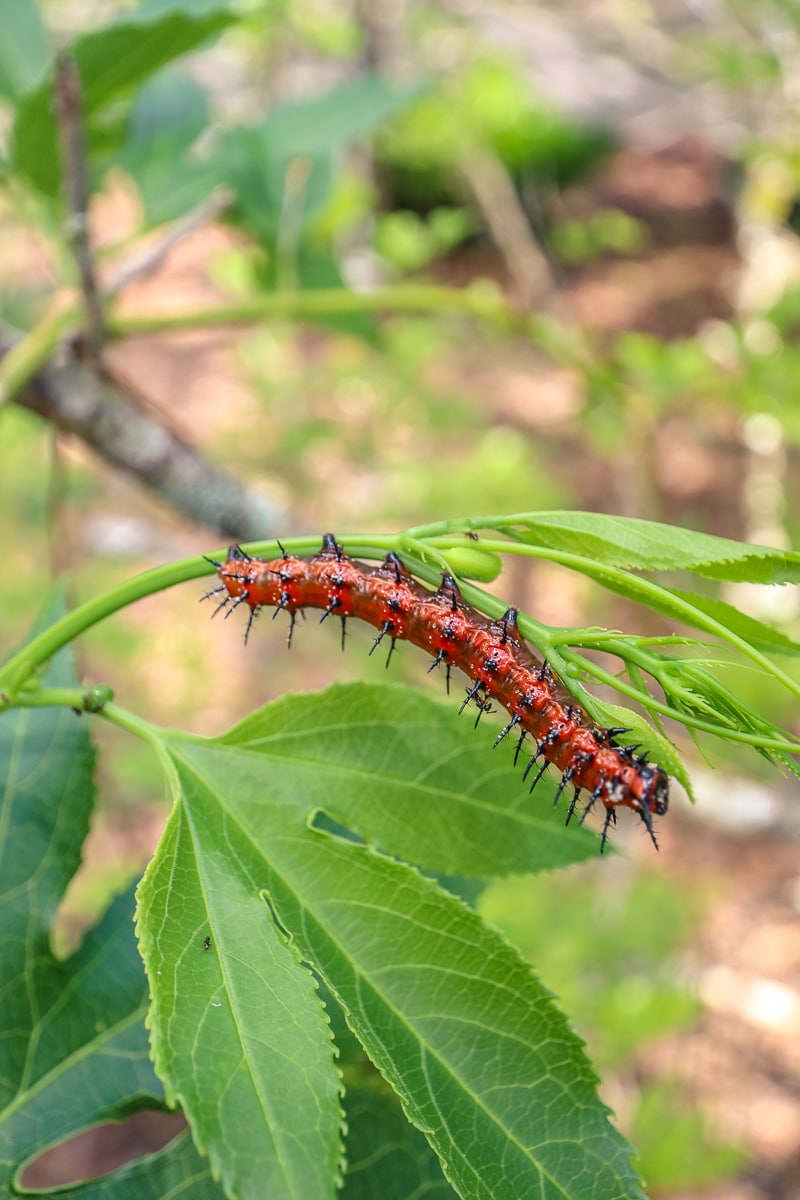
{"type": "Point", "coordinates": [490, 653]}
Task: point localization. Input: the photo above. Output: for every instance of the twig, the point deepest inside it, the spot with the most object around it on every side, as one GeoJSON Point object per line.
{"type": "Point", "coordinates": [508, 226]}
{"type": "Point", "coordinates": [79, 398]}
{"type": "Point", "coordinates": [149, 258]}
{"type": "Point", "coordinates": [21, 359]}
{"type": "Point", "coordinates": [68, 105]}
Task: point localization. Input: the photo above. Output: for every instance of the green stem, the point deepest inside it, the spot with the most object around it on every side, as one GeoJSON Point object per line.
{"type": "Point", "coordinates": [32, 351]}
{"type": "Point", "coordinates": [123, 718]}
{"type": "Point", "coordinates": [155, 735]}
{"type": "Point", "coordinates": [483, 302]}
{"type": "Point", "coordinates": [425, 561]}
{"type": "Point", "coordinates": [477, 300]}
{"type": "Point", "coordinates": [24, 664]}
{"type": "Point", "coordinates": [54, 697]}
{"type": "Point", "coordinates": [75, 698]}
{"type": "Point", "coordinates": [41, 648]}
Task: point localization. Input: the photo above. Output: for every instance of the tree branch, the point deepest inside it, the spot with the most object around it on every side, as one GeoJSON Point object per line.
{"type": "Point", "coordinates": [79, 399]}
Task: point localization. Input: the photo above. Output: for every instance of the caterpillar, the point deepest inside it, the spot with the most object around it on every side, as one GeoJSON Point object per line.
{"type": "Point", "coordinates": [490, 653]}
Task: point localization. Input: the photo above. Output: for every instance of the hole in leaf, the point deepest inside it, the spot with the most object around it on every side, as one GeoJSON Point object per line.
{"type": "Point", "coordinates": [321, 821]}
{"type": "Point", "coordinates": [104, 1148]}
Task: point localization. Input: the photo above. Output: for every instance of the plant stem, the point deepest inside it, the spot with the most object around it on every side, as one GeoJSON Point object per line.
{"type": "Point", "coordinates": [69, 111]}
{"type": "Point", "coordinates": [635, 587]}
{"type": "Point", "coordinates": [22, 665]}
{"type": "Point", "coordinates": [31, 352]}
{"type": "Point", "coordinates": [48, 697]}
{"type": "Point", "coordinates": [683, 718]}
{"type": "Point", "coordinates": [482, 301]}
{"type": "Point", "coordinates": [40, 649]}
{"type": "Point", "coordinates": [478, 300]}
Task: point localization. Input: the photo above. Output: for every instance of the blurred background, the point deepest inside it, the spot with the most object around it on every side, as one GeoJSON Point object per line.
{"type": "Point", "coordinates": [574, 230]}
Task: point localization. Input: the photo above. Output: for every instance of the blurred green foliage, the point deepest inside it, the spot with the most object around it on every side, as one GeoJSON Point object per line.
{"type": "Point", "coordinates": [607, 230]}
{"type": "Point", "coordinates": [488, 104]}
{"type": "Point", "coordinates": [676, 1149]}
{"type": "Point", "coordinates": [608, 948]}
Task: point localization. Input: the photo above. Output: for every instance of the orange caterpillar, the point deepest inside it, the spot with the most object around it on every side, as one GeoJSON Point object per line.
{"type": "Point", "coordinates": [490, 653]}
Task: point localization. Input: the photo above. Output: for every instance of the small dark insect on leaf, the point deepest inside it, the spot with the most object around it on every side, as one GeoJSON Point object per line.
{"type": "Point", "coordinates": [207, 943]}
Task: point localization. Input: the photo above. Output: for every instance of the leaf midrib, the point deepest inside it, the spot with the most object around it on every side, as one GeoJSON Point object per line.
{"type": "Point", "coordinates": [270, 1122]}
{"type": "Point", "coordinates": [365, 977]}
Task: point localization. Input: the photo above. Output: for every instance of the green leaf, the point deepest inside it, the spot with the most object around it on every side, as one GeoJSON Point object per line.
{"type": "Point", "coordinates": [659, 747]}
{"type": "Point", "coordinates": [284, 165]}
{"type": "Point", "coordinates": [72, 1031]}
{"type": "Point", "coordinates": [24, 50]}
{"type": "Point", "coordinates": [400, 770]}
{"type": "Point", "coordinates": [239, 1037]}
{"type": "Point", "coordinates": [387, 1159]}
{"type": "Point", "coordinates": [111, 63]}
{"type": "Point", "coordinates": [458, 1024]}
{"type": "Point", "coordinates": [169, 113]}
{"type": "Point", "coordinates": [334, 118]}
{"type": "Point", "coordinates": [451, 1016]}
{"type": "Point", "coordinates": [692, 688]}
{"type": "Point", "coordinates": [271, 188]}
{"type": "Point", "coordinates": [633, 543]}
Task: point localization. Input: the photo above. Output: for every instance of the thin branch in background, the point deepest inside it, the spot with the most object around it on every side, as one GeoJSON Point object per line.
{"type": "Point", "coordinates": [150, 257]}
{"type": "Point", "coordinates": [80, 397]}
{"type": "Point", "coordinates": [386, 43]}
{"type": "Point", "coordinates": [508, 226]}
{"type": "Point", "coordinates": [69, 114]}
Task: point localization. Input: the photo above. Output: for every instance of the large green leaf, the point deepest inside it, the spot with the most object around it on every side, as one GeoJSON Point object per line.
{"type": "Point", "coordinates": [484, 1064]}
{"type": "Point", "coordinates": [630, 542]}
{"type": "Point", "coordinates": [238, 1035]}
{"type": "Point", "coordinates": [387, 1158]}
{"type": "Point", "coordinates": [73, 1047]}
{"type": "Point", "coordinates": [456, 1022]}
{"type": "Point", "coordinates": [399, 769]}
{"type": "Point", "coordinates": [111, 63]}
